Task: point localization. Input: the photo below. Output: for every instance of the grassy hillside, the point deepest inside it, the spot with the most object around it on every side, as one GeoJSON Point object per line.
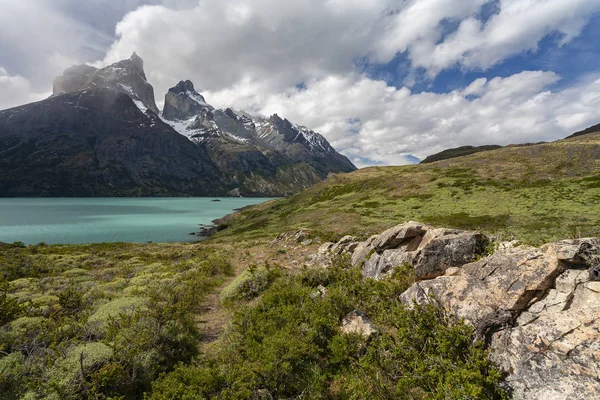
{"type": "Point", "coordinates": [535, 193]}
{"type": "Point", "coordinates": [129, 321]}
{"type": "Point", "coordinates": [458, 152]}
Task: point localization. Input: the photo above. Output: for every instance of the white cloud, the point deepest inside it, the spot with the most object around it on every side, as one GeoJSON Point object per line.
{"type": "Point", "coordinates": [16, 90]}
{"type": "Point", "coordinates": [517, 27]}
{"type": "Point", "coordinates": [254, 54]}
{"type": "Point", "coordinates": [367, 119]}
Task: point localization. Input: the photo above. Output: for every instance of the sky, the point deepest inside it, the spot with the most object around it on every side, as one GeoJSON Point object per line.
{"type": "Point", "coordinates": [387, 82]}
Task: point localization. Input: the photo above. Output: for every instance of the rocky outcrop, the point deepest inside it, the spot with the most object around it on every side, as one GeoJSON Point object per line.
{"type": "Point", "coordinates": [428, 250]}
{"type": "Point", "coordinates": [538, 309]}
{"type": "Point", "coordinates": [126, 76]}
{"type": "Point", "coordinates": [182, 102]}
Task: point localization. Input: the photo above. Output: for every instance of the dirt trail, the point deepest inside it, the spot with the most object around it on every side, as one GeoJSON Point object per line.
{"type": "Point", "coordinates": [213, 317]}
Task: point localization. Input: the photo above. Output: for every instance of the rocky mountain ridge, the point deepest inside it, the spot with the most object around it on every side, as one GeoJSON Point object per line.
{"type": "Point", "coordinates": [234, 153]}
{"type": "Point", "coordinates": [537, 309]}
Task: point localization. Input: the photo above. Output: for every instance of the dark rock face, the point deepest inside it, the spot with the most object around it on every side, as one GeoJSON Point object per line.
{"type": "Point", "coordinates": [126, 76]}
{"type": "Point", "coordinates": [458, 152]}
{"type": "Point", "coordinates": [101, 134]}
{"type": "Point", "coordinates": [98, 143]}
{"type": "Point", "coordinates": [182, 102]}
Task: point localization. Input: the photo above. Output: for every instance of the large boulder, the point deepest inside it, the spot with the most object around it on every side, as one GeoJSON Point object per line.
{"type": "Point", "coordinates": [538, 309]}
{"type": "Point", "coordinates": [428, 250]}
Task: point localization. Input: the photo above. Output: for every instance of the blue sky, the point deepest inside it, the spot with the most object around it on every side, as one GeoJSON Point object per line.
{"type": "Point", "coordinates": [387, 82]}
{"type": "Point", "coordinates": [572, 61]}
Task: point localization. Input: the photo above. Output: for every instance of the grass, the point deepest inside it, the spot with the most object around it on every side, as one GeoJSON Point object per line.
{"type": "Point", "coordinates": [535, 194]}
{"type": "Point", "coordinates": [105, 320]}
{"type": "Point", "coordinates": [97, 321]}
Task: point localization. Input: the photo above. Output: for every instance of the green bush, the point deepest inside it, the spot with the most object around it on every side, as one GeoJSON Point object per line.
{"type": "Point", "coordinates": [289, 345]}
{"type": "Point", "coordinates": [249, 284]}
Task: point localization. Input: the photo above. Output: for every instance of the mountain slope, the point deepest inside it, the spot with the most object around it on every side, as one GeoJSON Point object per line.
{"type": "Point", "coordinates": [101, 134]}
{"type": "Point", "coordinates": [270, 156]}
{"type": "Point", "coordinates": [458, 152]}
{"type": "Point", "coordinates": [98, 143]}
{"type": "Point", "coordinates": [592, 129]}
{"type": "Point", "coordinates": [537, 193]}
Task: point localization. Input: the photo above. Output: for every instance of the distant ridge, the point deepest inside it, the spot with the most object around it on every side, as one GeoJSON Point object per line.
{"type": "Point", "coordinates": [458, 152]}
{"type": "Point", "coordinates": [591, 129]}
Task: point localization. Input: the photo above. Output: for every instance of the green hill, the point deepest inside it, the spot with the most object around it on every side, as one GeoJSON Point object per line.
{"type": "Point", "coordinates": [534, 193]}
{"type": "Point", "coordinates": [458, 152]}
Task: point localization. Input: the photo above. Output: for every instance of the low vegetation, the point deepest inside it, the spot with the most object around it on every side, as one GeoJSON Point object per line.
{"type": "Point", "coordinates": [99, 321]}
{"type": "Point", "coordinates": [126, 321]}
{"type": "Point", "coordinates": [536, 194]}
{"type": "Point", "coordinates": [289, 345]}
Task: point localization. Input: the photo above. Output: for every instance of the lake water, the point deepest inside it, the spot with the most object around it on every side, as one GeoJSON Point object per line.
{"type": "Point", "coordinates": [95, 220]}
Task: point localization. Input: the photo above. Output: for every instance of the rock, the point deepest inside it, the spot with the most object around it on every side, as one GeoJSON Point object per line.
{"type": "Point", "coordinates": [576, 251]}
{"type": "Point", "coordinates": [345, 244]}
{"type": "Point", "coordinates": [501, 282]}
{"type": "Point", "coordinates": [357, 323]}
{"type": "Point", "coordinates": [299, 236]}
{"type": "Point", "coordinates": [182, 102]}
{"type": "Point", "coordinates": [380, 266]}
{"type": "Point", "coordinates": [325, 247]}
{"type": "Point", "coordinates": [430, 251]}
{"type": "Point", "coordinates": [445, 250]}
{"type": "Point", "coordinates": [539, 311]}
{"type": "Point", "coordinates": [320, 292]}
{"type": "Point", "coordinates": [594, 273]}
{"type": "Point", "coordinates": [406, 236]}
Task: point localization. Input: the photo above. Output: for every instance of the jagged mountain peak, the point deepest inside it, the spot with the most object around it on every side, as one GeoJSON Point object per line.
{"type": "Point", "coordinates": [183, 87]}
{"type": "Point", "coordinates": [126, 76]}
{"type": "Point", "coordinates": [183, 102]}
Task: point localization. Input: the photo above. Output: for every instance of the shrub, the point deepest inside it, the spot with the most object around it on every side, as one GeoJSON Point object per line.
{"type": "Point", "coordinates": [249, 284]}
{"type": "Point", "coordinates": [288, 345]}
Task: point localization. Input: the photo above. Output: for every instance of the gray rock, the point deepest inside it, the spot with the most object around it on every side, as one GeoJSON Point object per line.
{"type": "Point", "coordinates": [539, 310]}
{"type": "Point", "coordinates": [357, 323]}
{"type": "Point", "coordinates": [182, 102]}
{"type": "Point", "coordinates": [449, 249]}
{"type": "Point", "coordinates": [428, 250]}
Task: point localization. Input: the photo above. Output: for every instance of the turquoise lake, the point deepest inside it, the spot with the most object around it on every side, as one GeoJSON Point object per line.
{"type": "Point", "coordinates": [96, 220]}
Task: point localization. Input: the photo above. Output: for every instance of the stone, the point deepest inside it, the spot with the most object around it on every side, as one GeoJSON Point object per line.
{"type": "Point", "coordinates": [447, 249]}
{"type": "Point", "coordinates": [537, 309]}
{"type": "Point", "coordinates": [320, 292]}
{"type": "Point", "coordinates": [357, 323]}
{"type": "Point", "coordinates": [345, 244]}
{"type": "Point", "coordinates": [430, 251]}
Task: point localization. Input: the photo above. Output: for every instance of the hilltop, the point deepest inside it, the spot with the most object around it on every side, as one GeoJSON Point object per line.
{"type": "Point", "coordinates": [535, 193]}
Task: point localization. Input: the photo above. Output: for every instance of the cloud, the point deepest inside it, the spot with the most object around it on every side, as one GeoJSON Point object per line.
{"type": "Point", "coordinates": [304, 59]}
{"type": "Point", "coordinates": [374, 123]}
{"type": "Point", "coordinates": [517, 27]}
{"type": "Point", "coordinates": [16, 90]}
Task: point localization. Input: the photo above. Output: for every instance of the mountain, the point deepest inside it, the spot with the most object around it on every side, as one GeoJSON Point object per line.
{"type": "Point", "coordinates": [458, 152]}
{"type": "Point", "coordinates": [97, 142]}
{"type": "Point", "coordinates": [101, 134]}
{"type": "Point", "coordinates": [266, 155]}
